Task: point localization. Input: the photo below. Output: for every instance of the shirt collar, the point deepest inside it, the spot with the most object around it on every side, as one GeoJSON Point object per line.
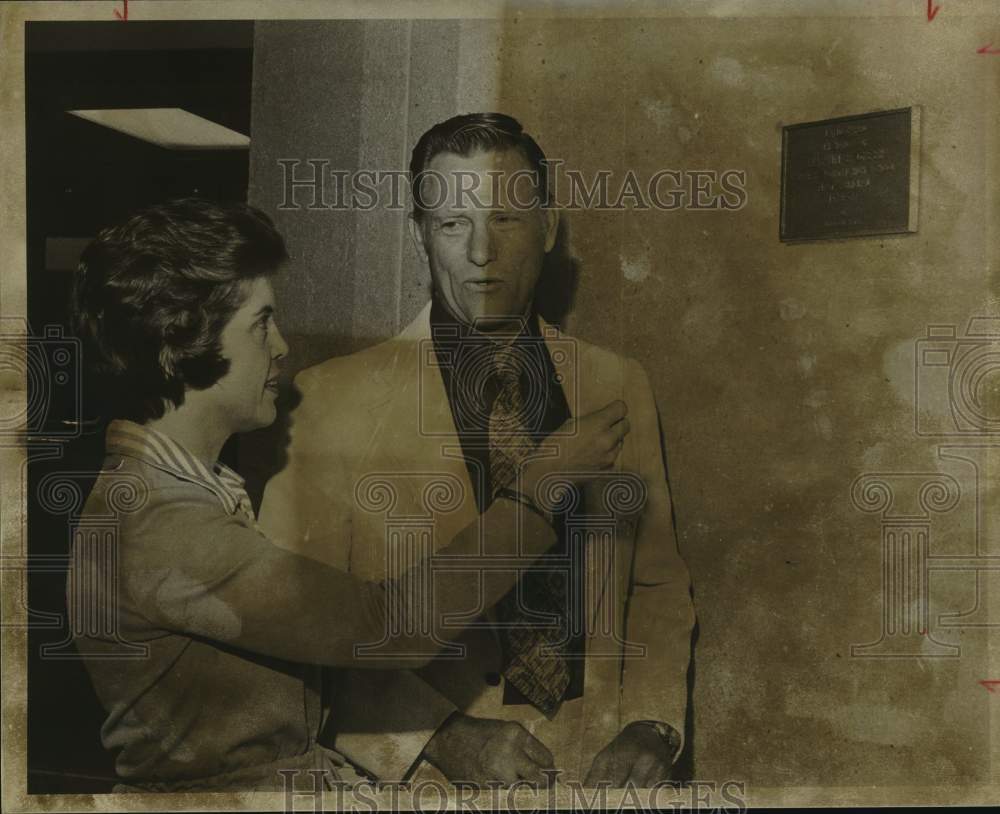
{"type": "Point", "coordinates": [159, 450]}
{"type": "Point", "coordinates": [446, 328]}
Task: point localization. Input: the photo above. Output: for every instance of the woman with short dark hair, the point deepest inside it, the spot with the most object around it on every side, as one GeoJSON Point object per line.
{"type": "Point", "coordinates": [154, 293]}
{"type": "Point", "coordinates": [177, 314]}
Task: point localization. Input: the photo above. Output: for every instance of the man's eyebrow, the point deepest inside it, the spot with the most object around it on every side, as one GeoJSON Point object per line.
{"type": "Point", "coordinates": [264, 309]}
{"type": "Point", "coordinates": [451, 214]}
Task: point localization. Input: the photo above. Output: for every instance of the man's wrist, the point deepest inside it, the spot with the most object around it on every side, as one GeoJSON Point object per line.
{"type": "Point", "coordinates": [670, 736]}
{"type": "Point", "coordinates": [520, 497]}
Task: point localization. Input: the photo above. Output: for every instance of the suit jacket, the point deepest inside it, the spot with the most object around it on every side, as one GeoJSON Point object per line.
{"type": "Point", "coordinates": [375, 472]}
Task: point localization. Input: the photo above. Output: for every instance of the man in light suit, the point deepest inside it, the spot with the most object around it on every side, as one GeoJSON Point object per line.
{"type": "Point", "coordinates": [392, 449]}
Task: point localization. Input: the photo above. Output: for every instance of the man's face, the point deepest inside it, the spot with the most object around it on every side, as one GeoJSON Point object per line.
{"type": "Point", "coordinates": [484, 260]}
{"type": "Point", "coordinates": [244, 397]}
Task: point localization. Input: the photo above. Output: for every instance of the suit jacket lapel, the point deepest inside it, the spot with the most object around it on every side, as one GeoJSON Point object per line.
{"type": "Point", "coordinates": [421, 431]}
{"type": "Point", "coordinates": [573, 368]}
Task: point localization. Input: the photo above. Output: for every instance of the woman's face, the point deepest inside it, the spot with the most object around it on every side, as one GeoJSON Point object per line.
{"type": "Point", "coordinates": [253, 345]}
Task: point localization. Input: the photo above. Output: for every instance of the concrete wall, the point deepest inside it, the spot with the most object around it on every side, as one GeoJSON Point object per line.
{"type": "Point", "coordinates": [783, 372]}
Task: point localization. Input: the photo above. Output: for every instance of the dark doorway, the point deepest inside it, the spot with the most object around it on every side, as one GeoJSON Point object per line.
{"type": "Point", "coordinates": [82, 176]}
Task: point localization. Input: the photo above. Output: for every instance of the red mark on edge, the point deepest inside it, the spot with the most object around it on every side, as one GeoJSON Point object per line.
{"type": "Point", "coordinates": [988, 49]}
{"type": "Point", "coordinates": [932, 10]}
{"type": "Point", "coordinates": [991, 686]}
{"type": "Point", "coordinates": [124, 17]}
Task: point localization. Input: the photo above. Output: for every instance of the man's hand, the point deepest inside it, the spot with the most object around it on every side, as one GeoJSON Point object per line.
{"type": "Point", "coordinates": [637, 754]}
{"type": "Point", "coordinates": [481, 750]}
{"type": "Point", "coordinates": [584, 446]}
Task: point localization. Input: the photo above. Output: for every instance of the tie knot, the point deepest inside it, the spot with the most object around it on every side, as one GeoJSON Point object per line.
{"type": "Point", "coordinates": [506, 364]}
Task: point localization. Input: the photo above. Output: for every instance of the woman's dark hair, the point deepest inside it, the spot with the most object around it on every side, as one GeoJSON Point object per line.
{"type": "Point", "coordinates": [470, 133]}
{"type": "Point", "coordinates": [152, 295]}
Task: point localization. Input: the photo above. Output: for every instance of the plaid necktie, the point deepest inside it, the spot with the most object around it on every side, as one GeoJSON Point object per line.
{"type": "Point", "coordinates": [536, 663]}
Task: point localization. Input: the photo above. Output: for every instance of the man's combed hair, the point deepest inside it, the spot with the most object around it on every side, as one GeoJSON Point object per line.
{"type": "Point", "coordinates": [153, 293]}
{"type": "Point", "coordinates": [468, 134]}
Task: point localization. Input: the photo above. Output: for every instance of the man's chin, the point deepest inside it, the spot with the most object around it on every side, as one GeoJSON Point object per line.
{"type": "Point", "coordinates": [488, 320]}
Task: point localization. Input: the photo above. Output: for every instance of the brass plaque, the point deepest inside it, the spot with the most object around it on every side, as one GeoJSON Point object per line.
{"type": "Point", "coordinates": [851, 176]}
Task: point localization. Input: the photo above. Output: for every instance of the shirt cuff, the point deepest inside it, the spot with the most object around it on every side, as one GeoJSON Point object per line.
{"type": "Point", "coordinates": [386, 732]}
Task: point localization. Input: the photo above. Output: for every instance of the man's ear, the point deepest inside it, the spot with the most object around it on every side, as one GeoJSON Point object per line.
{"type": "Point", "coordinates": [417, 236]}
{"type": "Point", "coordinates": [550, 221]}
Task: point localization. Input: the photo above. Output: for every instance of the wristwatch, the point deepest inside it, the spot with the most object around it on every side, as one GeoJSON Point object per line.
{"type": "Point", "coordinates": [670, 736]}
